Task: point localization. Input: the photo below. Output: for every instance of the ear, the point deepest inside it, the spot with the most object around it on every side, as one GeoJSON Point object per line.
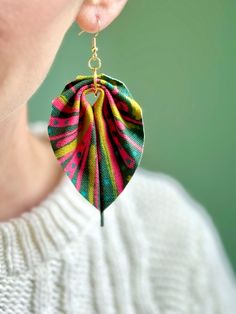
{"type": "Point", "coordinates": [105, 10]}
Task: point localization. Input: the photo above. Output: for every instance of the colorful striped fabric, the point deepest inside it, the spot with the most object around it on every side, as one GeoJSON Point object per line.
{"type": "Point", "coordinates": [99, 146]}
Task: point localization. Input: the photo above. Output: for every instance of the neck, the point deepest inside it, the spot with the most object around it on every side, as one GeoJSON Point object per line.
{"type": "Point", "coordinates": [29, 170]}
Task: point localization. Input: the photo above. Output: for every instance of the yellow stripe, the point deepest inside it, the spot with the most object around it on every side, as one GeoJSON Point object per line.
{"type": "Point", "coordinates": [63, 99]}
{"type": "Point", "coordinates": [66, 149]}
{"type": "Point", "coordinates": [136, 109]}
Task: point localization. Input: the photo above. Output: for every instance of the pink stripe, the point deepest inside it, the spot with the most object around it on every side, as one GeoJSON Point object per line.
{"type": "Point", "coordinates": [109, 96]}
{"type": "Point", "coordinates": [66, 140]}
{"type": "Point", "coordinates": [63, 122]}
{"type": "Point", "coordinates": [132, 120]}
{"type": "Point", "coordinates": [115, 91]}
{"type": "Point", "coordinates": [126, 137]}
{"type": "Point", "coordinates": [59, 104]}
{"type": "Point", "coordinates": [65, 157]}
{"type": "Point", "coordinates": [80, 147]}
{"type": "Point", "coordinates": [73, 89]}
{"type": "Point", "coordinates": [122, 106]}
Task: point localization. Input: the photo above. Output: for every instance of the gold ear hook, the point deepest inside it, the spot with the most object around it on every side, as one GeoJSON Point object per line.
{"type": "Point", "coordinates": [80, 33]}
{"type": "Point", "coordinates": [99, 25]}
{"type": "Point", "coordinates": [94, 62]}
{"type": "Point", "coordinates": [98, 29]}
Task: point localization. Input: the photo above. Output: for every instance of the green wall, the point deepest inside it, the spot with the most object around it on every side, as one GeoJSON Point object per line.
{"type": "Point", "coordinates": [178, 60]}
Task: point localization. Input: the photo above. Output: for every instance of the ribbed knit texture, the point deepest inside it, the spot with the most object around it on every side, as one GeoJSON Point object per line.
{"type": "Point", "coordinates": [157, 253]}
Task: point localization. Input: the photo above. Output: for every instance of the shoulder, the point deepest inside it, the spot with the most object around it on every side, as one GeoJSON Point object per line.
{"type": "Point", "coordinates": [162, 198]}
{"type": "Point", "coordinates": [188, 265]}
{"type": "Point", "coordinates": [173, 216]}
{"type": "Point", "coordinates": [173, 221]}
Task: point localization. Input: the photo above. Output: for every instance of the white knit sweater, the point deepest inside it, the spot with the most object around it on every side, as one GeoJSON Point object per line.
{"type": "Point", "coordinates": [157, 253]}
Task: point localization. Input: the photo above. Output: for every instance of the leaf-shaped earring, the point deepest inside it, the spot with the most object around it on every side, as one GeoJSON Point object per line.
{"type": "Point", "coordinates": [99, 146]}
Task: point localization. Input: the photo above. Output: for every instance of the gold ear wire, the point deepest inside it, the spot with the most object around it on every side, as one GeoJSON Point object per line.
{"type": "Point", "coordinates": [80, 33]}
{"type": "Point", "coordinates": [98, 29]}
{"type": "Point", "coordinates": [94, 59]}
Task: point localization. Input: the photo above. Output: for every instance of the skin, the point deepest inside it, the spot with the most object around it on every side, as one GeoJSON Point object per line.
{"type": "Point", "coordinates": [30, 35]}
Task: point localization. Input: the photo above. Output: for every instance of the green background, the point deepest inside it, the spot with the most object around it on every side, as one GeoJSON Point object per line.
{"type": "Point", "coordinates": [178, 60]}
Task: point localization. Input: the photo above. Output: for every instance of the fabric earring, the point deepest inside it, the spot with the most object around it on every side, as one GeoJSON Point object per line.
{"type": "Point", "coordinates": [99, 146]}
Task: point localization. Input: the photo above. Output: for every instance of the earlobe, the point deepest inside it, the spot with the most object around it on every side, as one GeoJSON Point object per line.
{"type": "Point", "coordinates": [105, 10]}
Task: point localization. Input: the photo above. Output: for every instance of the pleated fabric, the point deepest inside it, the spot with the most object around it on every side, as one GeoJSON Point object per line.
{"type": "Point", "coordinates": [99, 146]}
